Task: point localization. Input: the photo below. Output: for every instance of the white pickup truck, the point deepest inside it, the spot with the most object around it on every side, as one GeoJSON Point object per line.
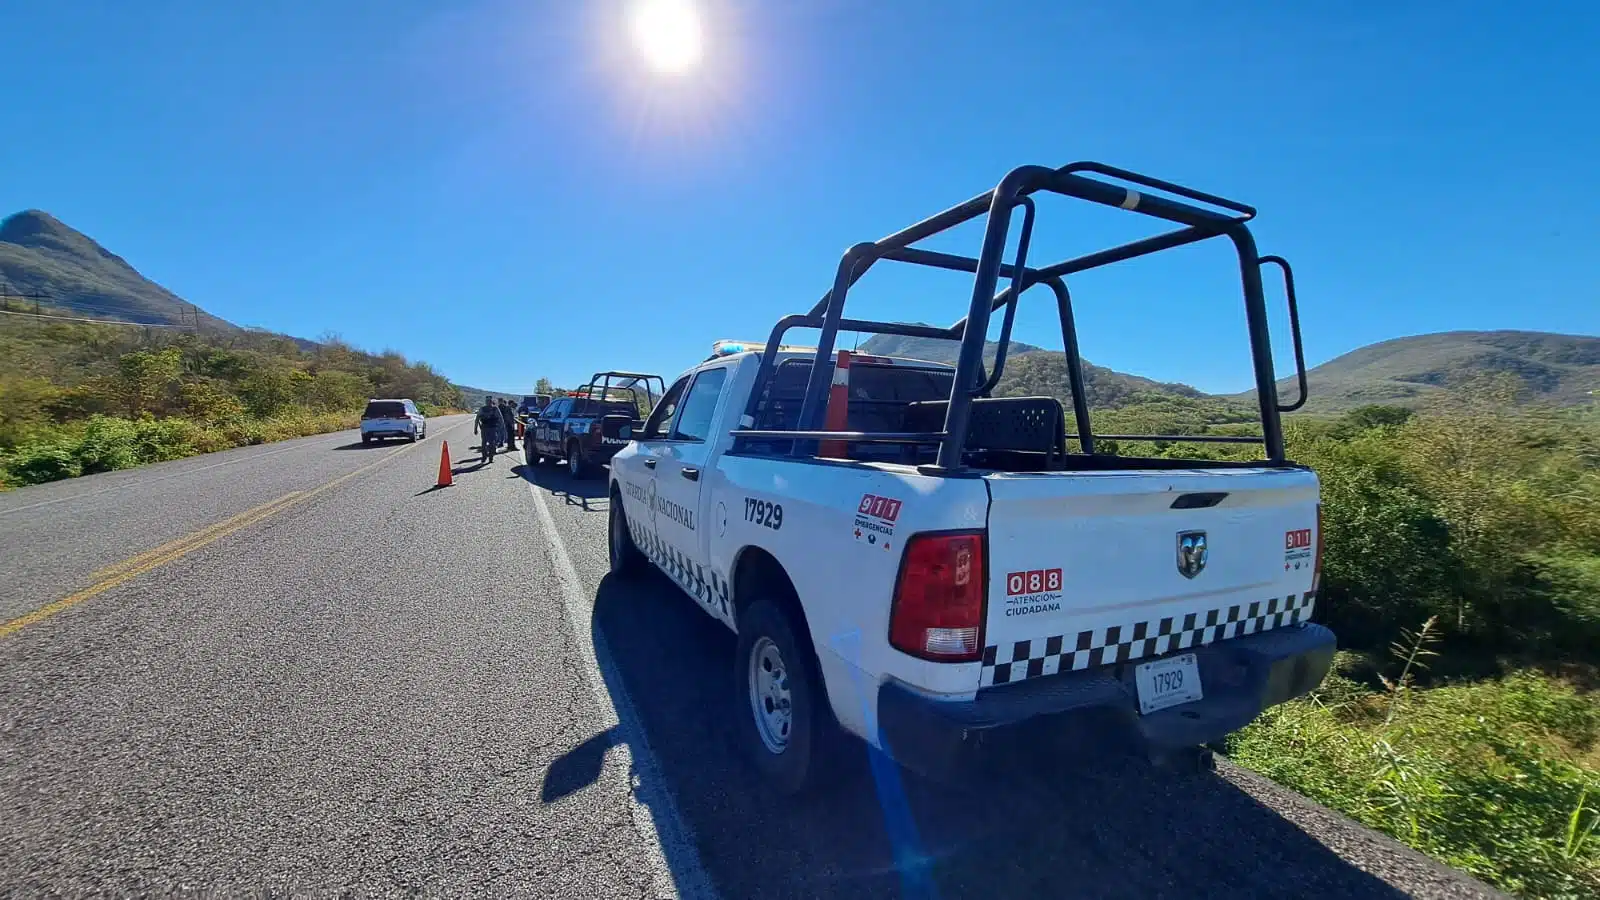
{"type": "Point", "coordinates": [916, 562]}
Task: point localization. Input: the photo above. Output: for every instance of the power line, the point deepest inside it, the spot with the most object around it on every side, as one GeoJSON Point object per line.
{"type": "Point", "coordinates": [13, 312]}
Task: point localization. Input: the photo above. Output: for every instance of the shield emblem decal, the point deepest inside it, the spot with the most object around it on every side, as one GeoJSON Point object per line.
{"type": "Point", "coordinates": [1191, 553]}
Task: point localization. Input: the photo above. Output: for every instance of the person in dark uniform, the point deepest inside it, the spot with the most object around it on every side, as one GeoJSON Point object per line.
{"type": "Point", "coordinates": [488, 422]}
{"type": "Point", "coordinates": [508, 415]}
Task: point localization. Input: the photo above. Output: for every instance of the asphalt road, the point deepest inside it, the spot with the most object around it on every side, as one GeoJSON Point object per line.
{"type": "Point", "coordinates": [296, 669]}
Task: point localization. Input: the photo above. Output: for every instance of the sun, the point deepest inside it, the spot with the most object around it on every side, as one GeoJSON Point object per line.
{"type": "Point", "coordinates": [667, 34]}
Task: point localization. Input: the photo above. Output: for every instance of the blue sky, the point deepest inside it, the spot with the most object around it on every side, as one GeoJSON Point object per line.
{"type": "Point", "coordinates": [501, 189]}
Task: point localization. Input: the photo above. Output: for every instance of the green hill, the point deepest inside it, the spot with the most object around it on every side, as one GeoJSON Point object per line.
{"type": "Point", "coordinates": [1033, 370]}
{"type": "Point", "coordinates": [1554, 369]}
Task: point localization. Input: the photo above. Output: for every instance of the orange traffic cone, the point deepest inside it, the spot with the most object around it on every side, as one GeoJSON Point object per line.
{"type": "Point", "coordinates": [837, 415]}
{"type": "Point", "coordinates": [445, 477]}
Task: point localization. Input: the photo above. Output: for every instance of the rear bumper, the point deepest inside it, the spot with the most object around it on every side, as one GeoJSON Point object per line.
{"type": "Point", "coordinates": [601, 451]}
{"type": "Point", "coordinates": [1241, 677]}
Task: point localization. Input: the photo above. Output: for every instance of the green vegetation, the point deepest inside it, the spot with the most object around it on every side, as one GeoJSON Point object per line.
{"type": "Point", "coordinates": [79, 398]}
{"type": "Point", "coordinates": [1462, 575]}
{"type": "Point", "coordinates": [1498, 777]}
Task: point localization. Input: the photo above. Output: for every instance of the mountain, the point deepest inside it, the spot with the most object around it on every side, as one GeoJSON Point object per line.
{"type": "Point", "coordinates": [933, 349]}
{"type": "Point", "coordinates": [66, 272]}
{"type": "Point", "coordinates": [1558, 369]}
{"type": "Point", "coordinates": [1033, 370]}
{"type": "Point", "coordinates": [473, 396]}
{"type": "Point", "coordinates": [45, 260]}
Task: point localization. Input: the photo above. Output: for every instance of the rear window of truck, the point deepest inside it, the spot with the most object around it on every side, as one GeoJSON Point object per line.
{"type": "Point", "coordinates": [874, 391]}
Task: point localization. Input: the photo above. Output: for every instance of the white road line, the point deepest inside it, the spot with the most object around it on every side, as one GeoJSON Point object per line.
{"type": "Point", "coordinates": [675, 865]}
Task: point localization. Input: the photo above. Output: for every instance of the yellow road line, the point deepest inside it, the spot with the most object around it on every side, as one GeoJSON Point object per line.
{"type": "Point", "coordinates": [133, 567]}
{"type": "Point", "coordinates": [144, 562]}
{"type": "Point", "coordinates": [185, 542]}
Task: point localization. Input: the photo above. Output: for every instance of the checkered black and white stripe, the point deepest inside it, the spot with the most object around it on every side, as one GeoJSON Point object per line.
{"type": "Point", "coordinates": [705, 585]}
{"type": "Point", "coordinates": [1019, 660]}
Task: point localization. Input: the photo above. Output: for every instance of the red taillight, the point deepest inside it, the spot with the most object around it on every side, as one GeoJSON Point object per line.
{"type": "Point", "coordinates": [1316, 565]}
{"type": "Point", "coordinates": [938, 602]}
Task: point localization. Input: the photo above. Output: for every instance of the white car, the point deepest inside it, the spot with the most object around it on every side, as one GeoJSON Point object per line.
{"type": "Point", "coordinates": [392, 419]}
{"type": "Point", "coordinates": [910, 559]}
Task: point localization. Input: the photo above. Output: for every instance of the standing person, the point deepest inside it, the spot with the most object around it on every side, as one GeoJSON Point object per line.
{"type": "Point", "coordinates": [508, 415]}
{"type": "Point", "coordinates": [489, 422]}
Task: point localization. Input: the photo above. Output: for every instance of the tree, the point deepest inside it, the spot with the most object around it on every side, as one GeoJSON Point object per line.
{"type": "Point", "coordinates": [145, 377]}
{"type": "Point", "coordinates": [269, 391]}
{"type": "Point", "coordinates": [332, 390]}
{"type": "Point", "coordinates": [204, 401]}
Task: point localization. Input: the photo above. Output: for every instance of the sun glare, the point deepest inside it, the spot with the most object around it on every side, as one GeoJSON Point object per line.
{"type": "Point", "coordinates": [667, 34]}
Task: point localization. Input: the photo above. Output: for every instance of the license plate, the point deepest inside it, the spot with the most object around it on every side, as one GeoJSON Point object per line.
{"type": "Point", "coordinates": [1168, 682]}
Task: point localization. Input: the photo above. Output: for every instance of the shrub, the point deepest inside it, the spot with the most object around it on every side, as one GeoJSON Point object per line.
{"type": "Point", "coordinates": [107, 444]}
{"type": "Point", "coordinates": [158, 440]}
{"type": "Point", "coordinates": [1387, 556]}
{"type": "Point", "coordinates": [38, 464]}
{"type": "Point", "coordinates": [206, 402]}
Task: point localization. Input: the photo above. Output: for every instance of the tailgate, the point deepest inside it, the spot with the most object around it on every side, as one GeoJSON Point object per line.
{"type": "Point", "coordinates": [1090, 568]}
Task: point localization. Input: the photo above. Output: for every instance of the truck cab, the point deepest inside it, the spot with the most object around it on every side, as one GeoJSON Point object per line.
{"type": "Point", "coordinates": [908, 558]}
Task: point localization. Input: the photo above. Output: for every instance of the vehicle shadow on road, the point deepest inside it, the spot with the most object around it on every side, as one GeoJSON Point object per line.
{"type": "Point", "coordinates": [1038, 820]}
{"type": "Point", "coordinates": [586, 493]}
{"type": "Point", "coordinates": [359, 445]}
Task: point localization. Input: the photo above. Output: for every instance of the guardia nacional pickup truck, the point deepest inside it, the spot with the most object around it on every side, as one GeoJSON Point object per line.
{"type": "Point", "coordinates": [909, 559]}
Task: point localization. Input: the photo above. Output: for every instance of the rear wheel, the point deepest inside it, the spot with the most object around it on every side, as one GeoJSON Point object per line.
{"type": "Point", "coordinates": [1183, 760]}
{"type": "Point", "coordinates": [366, 439]}
{"type": "Point", "coordinates": [529, 457]}
{"type": "Point", "coordinates": [788, 731]}
{"type": "Point", "coordinates": [577, 466]}
{"type": "Point", "coordinates": [626, 559]}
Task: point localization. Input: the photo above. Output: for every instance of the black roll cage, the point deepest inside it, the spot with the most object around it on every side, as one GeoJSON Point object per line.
{"type": "Point", "coordinates": [988, 267]}
{"type": "Point", "coordinates": [619, 381]}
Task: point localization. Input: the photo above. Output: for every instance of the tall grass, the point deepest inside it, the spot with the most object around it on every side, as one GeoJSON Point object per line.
{"type": "Point", "coordinates": [1498, 778]}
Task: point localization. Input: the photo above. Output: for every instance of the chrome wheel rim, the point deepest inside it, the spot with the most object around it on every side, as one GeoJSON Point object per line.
{"type": "Point", "coordinates": [770, 702]}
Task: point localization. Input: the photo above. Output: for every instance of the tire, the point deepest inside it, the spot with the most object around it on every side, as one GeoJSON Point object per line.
{"type": "Point", "coordinates": [529, 458]}
{"type": "Point", "coordinates": [1183, 761]}
{"type": "Point", "coordinates": [577, 466]}
{"type": "Point", "coordinates": [627, 561]}
{"type": "Point", "coordinates": [412, 438]}
{"type": "Point", "coordinates": [366, 439]}
{"type": "Point", "coordinates": [794, 755]}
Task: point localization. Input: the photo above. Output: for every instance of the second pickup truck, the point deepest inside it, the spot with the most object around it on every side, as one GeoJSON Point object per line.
{"type": "Point", "coordinates": [588, 427]}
